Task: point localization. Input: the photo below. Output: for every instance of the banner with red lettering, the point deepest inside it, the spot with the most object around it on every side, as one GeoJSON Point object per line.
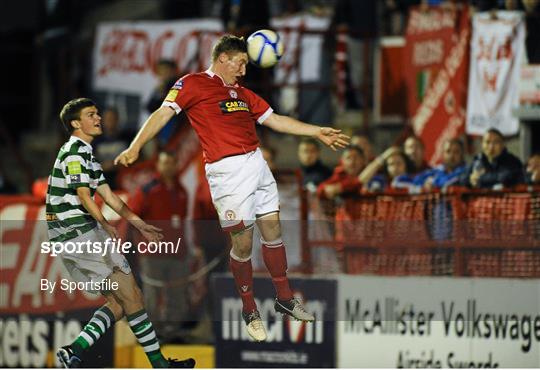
{"type": "Point", "coordinates": [125, 52]}
{"type": "Point", "coordinates": [33, 321]}
{"type": "Point", "coordinates": [23, 265]}
{"type": "Point", "coordinates": [497, 48]}
{"type": "Point", "coordinates": [435, 66]}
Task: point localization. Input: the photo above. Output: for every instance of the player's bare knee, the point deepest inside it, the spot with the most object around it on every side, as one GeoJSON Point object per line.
{"type": "Point", "coordinates": [270, 227]}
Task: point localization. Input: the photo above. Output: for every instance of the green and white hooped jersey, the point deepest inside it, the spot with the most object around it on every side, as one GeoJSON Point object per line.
{"type": "Point", "coordinates": [75, 167]}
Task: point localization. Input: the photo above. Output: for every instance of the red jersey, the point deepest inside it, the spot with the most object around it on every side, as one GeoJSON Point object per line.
{"type": "Point", "coordinates": [350, 185]}
{"type": "Point", "coordinates": [223, 116]}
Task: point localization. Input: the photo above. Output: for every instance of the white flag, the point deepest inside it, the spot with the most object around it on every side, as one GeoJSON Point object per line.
{"type": "Point", "coordinates": [497, 48]}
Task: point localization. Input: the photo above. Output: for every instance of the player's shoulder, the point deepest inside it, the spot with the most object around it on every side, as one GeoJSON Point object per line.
{"type": "Point", "coordinates": [192, 78]}
{"type": "Point", "coordinates": [75, 148]}
{"type": "Point", "coordinates": [246, 90]}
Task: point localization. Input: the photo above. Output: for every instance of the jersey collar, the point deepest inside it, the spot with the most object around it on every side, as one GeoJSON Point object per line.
{"type": "Point", "coordinates": [212, 74]}
{"type": "Point", "coordinates": [74, 138]}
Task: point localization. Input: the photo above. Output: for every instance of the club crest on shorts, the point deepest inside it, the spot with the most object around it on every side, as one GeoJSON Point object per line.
{"type": "Point", "coordinates": [233, 93]}
{"type": "Point", "coordinates": [230, 215]}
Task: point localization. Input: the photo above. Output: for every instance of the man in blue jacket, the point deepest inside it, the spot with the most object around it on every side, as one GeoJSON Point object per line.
{"type": "Point", "coordinates": [447, 173]}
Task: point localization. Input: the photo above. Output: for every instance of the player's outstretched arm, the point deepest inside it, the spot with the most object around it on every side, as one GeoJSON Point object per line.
{"type": "Point", "coordinates": [288, 125]}
{"type": "Point", "coordinates": [150, 128]}
{"type": "Point", "coordinates": [150, 232]}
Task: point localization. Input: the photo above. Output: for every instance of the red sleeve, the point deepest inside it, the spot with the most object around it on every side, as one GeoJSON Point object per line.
{"type": "Point", "coordinates": [259, 108]}
{"type": "Point", "coordinates": [335, 178]}
{"type": "Point", "coordinates": [183, 94]}
{"type": "Point", "coordinates": [350, 185]}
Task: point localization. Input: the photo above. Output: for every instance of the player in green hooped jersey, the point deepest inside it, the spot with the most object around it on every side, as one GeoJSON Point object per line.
{"type": "Point", "coordinates": [73, 216]}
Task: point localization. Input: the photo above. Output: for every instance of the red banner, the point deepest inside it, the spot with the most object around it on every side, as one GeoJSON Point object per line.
{"type": "Point", "coordinates": [22, 265]}
{"type": "Point", "coordinates": [436, 70]}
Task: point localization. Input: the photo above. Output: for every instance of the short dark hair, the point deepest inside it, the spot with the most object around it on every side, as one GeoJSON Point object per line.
{"type": "Point", "coordinates": [496, 132]}
{"type": "Point", "coordinates": [311, 141]}
{"type": "Point", "coordinates": [229, 44]}
{"type": "Point", "coordinates": [72, 111]}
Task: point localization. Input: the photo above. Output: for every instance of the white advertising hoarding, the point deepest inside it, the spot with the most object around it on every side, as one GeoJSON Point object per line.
{"type": "Point", "coordinates": [410, 322]}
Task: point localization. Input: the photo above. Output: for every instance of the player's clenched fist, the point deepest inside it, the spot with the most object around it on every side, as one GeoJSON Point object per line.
{"type": "Point", "coordinates": [127, 157]}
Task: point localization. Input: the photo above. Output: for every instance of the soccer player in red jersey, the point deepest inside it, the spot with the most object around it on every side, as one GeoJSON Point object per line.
{"type": "Point", "coordinates": [244, 192]}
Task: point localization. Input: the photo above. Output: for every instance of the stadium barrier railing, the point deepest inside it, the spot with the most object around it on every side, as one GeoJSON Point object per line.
{"type": "Point", "coordinates": [460, 232]}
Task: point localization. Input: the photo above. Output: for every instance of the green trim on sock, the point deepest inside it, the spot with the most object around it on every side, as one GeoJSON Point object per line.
{"type": "Point", "coordinates": [79, 346]}
{"type": "Point", "coordinates": [157, 360]}
{"type": "Point", "coordinates": [145, 333]}
{"type": "Point", "coordinates": [135, 315]}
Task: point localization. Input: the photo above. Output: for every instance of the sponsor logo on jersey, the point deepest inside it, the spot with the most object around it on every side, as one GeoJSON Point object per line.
{"type": "Point", "coordinates": [75, 178]}
{"type": "Point", "coordinates": [178, 85]}
{"type": "Point", "coordinates": [233, 105]}
{"type": "Point", "coordinates": [233, 93]}
{"type": "Point", "coordinates": [74, 168]}
{"type": "Point", "coordinates": [171, 96]}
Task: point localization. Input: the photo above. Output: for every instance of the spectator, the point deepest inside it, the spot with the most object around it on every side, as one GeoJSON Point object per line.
{"type": "Point", "coordinates": [110, 144]}
{"type": "Point", "coordinates": [313, 170]}
{"type": "Point", "coordinates": [533, 170]}
{"type": "Point", "coordinates": [167, 74]}
{"type": "Point", "coordinates": [396, 172]}
{"type": "Point", "coordinates": [447, 173]}
{"type": "Point", "coordinates": [495, 166]}
{"type": "Point", "coordinates": [414, 149]}
{"type": "Point", "coordinates": [164, 201]}
{"type": "Point", "coordinates": [362, 141]}
{"type": "Point", "coordinates": [344, 180]}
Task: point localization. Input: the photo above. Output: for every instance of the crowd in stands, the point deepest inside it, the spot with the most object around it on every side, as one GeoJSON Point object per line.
{"type": "Point", "coordinates": [405, 169]}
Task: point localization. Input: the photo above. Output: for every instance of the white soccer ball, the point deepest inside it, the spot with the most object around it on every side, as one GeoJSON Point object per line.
{"type": "Point", "coordinates": [264, 48]}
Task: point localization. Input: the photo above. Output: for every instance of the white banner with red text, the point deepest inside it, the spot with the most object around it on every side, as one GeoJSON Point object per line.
{"type": "Point", "coordinates": [497, 47]}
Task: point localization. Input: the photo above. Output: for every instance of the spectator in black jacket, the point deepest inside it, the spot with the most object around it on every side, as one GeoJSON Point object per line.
{"type": "Point", "coordinates": [313, 170]}
{"type": "Point", "coordinates": [494, 166]}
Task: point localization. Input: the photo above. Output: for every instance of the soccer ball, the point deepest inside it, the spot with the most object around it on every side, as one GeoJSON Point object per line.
{"type": "Point", "coordinates": [264, 48]}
